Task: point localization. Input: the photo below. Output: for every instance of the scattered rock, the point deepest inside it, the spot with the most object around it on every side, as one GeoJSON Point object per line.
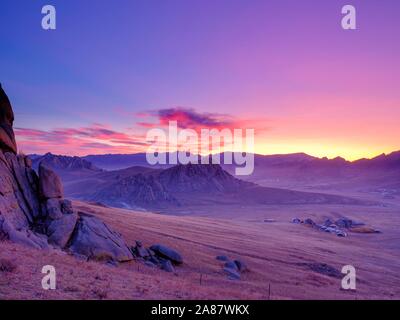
{"type": "Point", "coordinates": [241, 266]}
{"type": "Point", "coordinates": [332, 229]}
{"type": "Point", "coordinates": [328, 222]}
{"type": "Point", "coordinates": [323, 268]}
{"type": "Point", "coordinates": [339, 227]}
{"type": "Point", "coordinates": [296, 220]}
{"type": "Point", "coordinates": [166, 265]}
{"type": "Point", "coordinates": [232, 273]}
{"type": "Point", "coordinates": [231, 265]}
{"type": "Point", "coordinates": [142, 252]}
{"type": "Point", "coordinates": [309, 222]}
{"type": "Point", "coordinates": [154, 260]}
{"type": "Point", "coordinates": [95, 240]}
{"type": "Point", "coordinates": [222, 258]}
{"type": "Point", "coordinates": [233, 268]}
{"type": "Point", "coordinates": [157, 256]}
{"type": "Point", "coordinates": [344, 223]}
{"type": "Point", "coordinates": [167, 253]}
{"type": "Point", "coordinates": [341, 233]}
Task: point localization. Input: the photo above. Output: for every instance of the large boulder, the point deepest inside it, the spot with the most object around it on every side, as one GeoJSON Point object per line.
{"type": "Point", "coordinates": [241, 265]}
{"type": "Point", "coordinates": [23, 236]}
{"type": "Point", "coordinates": [52, 208]}
{"type": "Point", "coordinates": [50, 183]}
{"type": "Point", "coordinates": [167, 253]}
{"type": "Point", "coordinates": [231, 265]}
{"type": "Point", "coordinates": [7, 138]}
{"type": "Point", "coordinates": [33, 211]}
{"type": "Point", "coordinates": [26, 183]}
{"type": "Point", "coordinates": [60, 230]}
{"type": "Point", "coordinates": [232, 273]}
{"type": "Point", "coordinates": [93, 239]}
{"type": "Point", "coordinates": [167, 266]}
{"type": "Point", "coordinates": [13, 204]}
{"type": "Point", "coordinates": [344, 223]}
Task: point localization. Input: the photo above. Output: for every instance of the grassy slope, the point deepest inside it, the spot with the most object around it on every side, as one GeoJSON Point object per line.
{"type": "Point", "coordinates": [273, 252]}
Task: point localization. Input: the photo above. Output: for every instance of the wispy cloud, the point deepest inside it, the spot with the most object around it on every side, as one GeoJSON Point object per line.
{"type": "Point", "coordinates": [188, 118]}
{"type": "Point", "coordinates": [99, 138]}
{"type": "Point", "coordinates": [96, 138]}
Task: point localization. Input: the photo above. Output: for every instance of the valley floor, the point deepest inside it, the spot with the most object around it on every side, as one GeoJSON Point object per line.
{"type": "Point", "coordinates": [279, 255]}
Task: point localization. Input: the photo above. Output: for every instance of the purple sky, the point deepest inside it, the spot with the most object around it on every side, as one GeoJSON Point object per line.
{"type": "Point", "coordinates": [284, 67]}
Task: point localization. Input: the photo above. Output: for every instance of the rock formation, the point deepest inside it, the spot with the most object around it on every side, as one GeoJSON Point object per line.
{"type": "Point", "coordinates": [33, 211]}
{"type": "Point", "coordinates": [7, 138]}
{"type": "Point", "coordinates": [61, 163]}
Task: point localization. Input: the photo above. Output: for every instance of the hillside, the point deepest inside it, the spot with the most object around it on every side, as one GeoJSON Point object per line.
{"type": "Point", "coordinates": [182, 185]}
{"type": "Point", "coordinates": [281, 255]}
{"type": "Point", "coordinates": [299, 171]}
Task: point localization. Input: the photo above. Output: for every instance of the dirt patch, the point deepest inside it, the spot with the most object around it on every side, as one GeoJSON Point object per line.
{"type": "Point", "coordinates": [323, 268]}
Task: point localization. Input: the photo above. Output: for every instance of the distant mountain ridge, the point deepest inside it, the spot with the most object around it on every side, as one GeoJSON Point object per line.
{"type": "Point", "coordinates": [141, 187]}
{"type": "Point", "coordinates": [200, 178]}
{"type": "Point", "coordinates": [58, 162]}
{"type": "Point", "coordinates": [120, 161]}
{"type": "Point", "coordinates": [273, 181]}
{"type": "Point", "coordinates": [300, 171]}
{"type": "Point", "coordinates": [181, 185]}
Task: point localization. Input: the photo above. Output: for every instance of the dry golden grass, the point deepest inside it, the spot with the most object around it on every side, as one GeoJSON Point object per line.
{"type": "Point", "coordinates": [276, 253]}
{"type": "Point", "coordinates": [363, 229]}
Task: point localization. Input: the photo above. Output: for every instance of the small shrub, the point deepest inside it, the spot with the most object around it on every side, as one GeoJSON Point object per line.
{"type": "Point", "coordinates": [100, 293]}
{"type": "Point", "coordinates": [7, 266]}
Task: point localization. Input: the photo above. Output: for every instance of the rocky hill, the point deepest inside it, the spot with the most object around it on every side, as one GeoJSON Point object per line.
{"type": "Point", "coordinates": [58, 162]}
{"type": "Point", "coordinates": [135, 191]}
{"type": "Point", "coordinates": [140, 187]}
{"type": "Point", "coordinates": [296, 171]}
{"type": "Point", "coordinates": [182, 186]}
{"type": "Point", "coordinates": [33, 211]}
{"type": "Point", "coordinates": [200, 178]}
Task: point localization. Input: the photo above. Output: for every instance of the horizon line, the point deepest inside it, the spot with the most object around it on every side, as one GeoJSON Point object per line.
{"type": "Point", "coordinates": [255, 154]}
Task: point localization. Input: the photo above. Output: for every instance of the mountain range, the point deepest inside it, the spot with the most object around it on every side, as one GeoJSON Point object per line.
{"type": "Point", "coordinates": [298, 171]}
{"type": "Point", "coordinates": [145, 187]}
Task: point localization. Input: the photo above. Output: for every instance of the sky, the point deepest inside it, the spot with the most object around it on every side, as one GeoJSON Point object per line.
{"type": "Point", "coordinates": [112, 70]}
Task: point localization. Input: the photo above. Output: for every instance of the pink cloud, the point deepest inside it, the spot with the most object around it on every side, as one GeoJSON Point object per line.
{"type": "Point", "coordinates": [187, 118]}
{"type": "Point", "coordinates": [80, 141]}
{"type": "Point", "coordinates": [99, 138]}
